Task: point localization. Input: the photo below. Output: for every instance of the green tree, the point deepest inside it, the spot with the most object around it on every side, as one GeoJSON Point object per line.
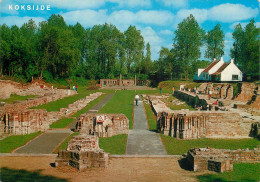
{"type": "Point", "coordinates": [215, 43]}
{"type": "Point", "coordinates": [245, 49]}
{"type": "Point", "coordinates": [134, 46]}
{"type": "Point", "coordinates": [187, 43]}
{"type": "Point", "coordinates": [147, 60]}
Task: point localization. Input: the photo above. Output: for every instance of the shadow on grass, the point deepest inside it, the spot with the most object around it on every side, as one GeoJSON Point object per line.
{"type": "Point", "coordinates": [13, 175]}
{"type": "Point", "coordinates": [215, 178]}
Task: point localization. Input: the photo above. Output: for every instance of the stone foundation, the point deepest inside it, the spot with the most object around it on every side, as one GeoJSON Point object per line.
{"type": "Point", "coordinates": [28, 121]}
{"type": "Point", "coordinates": [219, 160]}
{"type": "Point", "coordinates": [83, 152]}
{"type": "Point", "coordinates": [113, 124]}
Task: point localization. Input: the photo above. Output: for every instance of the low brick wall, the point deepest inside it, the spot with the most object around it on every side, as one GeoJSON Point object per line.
{"type": "Point", "coordinates": [83, 152]}
{"type": "Point", "coordinates": [32, 120]}
{"type": "Point", "coordinates": [219, 160]}
{"type": "Point", "coordinates": [113, 124]}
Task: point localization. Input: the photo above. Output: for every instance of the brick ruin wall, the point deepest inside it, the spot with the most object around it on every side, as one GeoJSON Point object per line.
{"type": "Point", "coordinates": [219, 160]}
{"type": "Point", "coordinates": [185, 124]}
{"type": "Point", "coordinates": [32, 120]}
{"type": "Point", "coordinates": [114, 124]}
{"type": "Point", "coordinates": [220, 90]}
{"type": "Point", "coordinates": [82, 152]}
{"type": "Point", "coordinates": [247, 92]}
{"type": "Point", "coordinates": [8, 87]}
{"type": "Point", "coordinates": [200, 124]}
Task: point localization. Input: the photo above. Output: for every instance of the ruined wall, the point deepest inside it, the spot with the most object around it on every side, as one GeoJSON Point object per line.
{"type": "Point", "coordinates": [83, 152]}
{"type": "Point", "coordinates": [114, 124]}
{"type": "Point", "coordinates": [25, 121]}
{"type": "Point", "coordinates": [219, 160]}
{"type": "Point", "coordinates": [247, 91]}
{"type": "Point", "coordinates": [8, 87]}
{"type": "Point", "coordinates": [199, 124]}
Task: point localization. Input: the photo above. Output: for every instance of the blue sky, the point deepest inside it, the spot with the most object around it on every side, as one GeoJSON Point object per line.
{"type": "Point", "coordinates": [157, 19]}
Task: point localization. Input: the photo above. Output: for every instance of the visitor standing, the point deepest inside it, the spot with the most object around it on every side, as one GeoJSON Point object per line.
{"type": "Point", "coordinates": [160, 90]}
{"type": "Point", "coordinates": [173, 90]}
{"type": "Point", "coordinates": [76, 87]}
{"type": "Point", "coordinates": [136, 99]}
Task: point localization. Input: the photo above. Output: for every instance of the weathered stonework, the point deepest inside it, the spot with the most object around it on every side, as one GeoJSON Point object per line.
{"type": "Point", "coordinates": [219, 160]}
{"type": "Point", "coordinates": [114, 124]}
{"type": "Point", "coordinates": [82, 152]}
{"type": "Point", "coordinates": [25, 121]}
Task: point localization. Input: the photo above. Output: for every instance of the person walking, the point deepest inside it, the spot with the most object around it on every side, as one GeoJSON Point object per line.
{"type": "Point", "coordinates": [136, 99]}
{"type": "Point", "coordinates": [173, 90]}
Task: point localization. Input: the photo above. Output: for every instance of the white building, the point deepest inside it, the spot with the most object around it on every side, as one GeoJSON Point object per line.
{"type": "Point", "coordinates": [219, 71]}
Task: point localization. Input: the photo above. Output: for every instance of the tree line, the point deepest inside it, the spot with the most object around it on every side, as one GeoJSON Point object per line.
{"type": "Point", "coordinates": [55, 50]}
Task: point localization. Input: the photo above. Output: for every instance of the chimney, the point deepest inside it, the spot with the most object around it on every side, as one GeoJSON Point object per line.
{"type": "Point", "coordinates": [221, 59]}
{"type": "Point", "coordinates": [232, 61]}
{"type": "Point", "coordinates": [214, 59]}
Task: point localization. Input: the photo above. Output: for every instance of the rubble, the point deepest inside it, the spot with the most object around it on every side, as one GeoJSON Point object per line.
{"type": "Point", "coordinates": [111, 124]}
{"type": "Point", "coordinates": [83, 152]}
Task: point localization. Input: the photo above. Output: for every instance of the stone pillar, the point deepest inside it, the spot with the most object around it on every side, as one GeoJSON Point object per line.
{"type": "Point", "coordinates": [135, 80]}
{"type": "Point", "coordinates": [120, 81]}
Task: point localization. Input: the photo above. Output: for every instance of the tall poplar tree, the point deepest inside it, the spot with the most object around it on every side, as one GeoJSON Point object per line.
{"type": "Point", "coordinates": [187, 43]}
{"type": "Point", "coordinates": [215, 43]}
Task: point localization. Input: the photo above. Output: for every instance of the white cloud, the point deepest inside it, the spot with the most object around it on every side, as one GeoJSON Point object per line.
{"type": "Point", "coordinates": [175, 3]}
{"type": "Point", "coordinates": [233, 25]}
{"type": "Point", "coordinates": [155, 41]}
{"type": "Point", "coordinates": [231, 12]}
{"type": "Point", "coordinates": [154, 17]}
{"type": "Point", "coordinates": [199, 14]}
{"type": "Point", "coordinates": [166, 32]}
{"type": "Point", "coordinates": [229, 36]}
{"type": "Point", "coordinates": [86, 17]}
{"type": "Point", "coordinates": [132, 3]}
{"type": "Point", "coordinates": [122, 19]}
{"type": "Point", "coordinates": [19, 21]}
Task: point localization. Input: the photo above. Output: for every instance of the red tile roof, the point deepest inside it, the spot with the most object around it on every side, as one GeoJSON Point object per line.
{"type": "Point", "coordinates": [221, 69]}
{"type": "Point", "coordinates": [210, 66]}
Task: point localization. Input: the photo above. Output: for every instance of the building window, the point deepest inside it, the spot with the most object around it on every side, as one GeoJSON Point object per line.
{"type": "Point", "coordinates": [207, 76]}
{"type": "Point", "coordinates": [234, 77]}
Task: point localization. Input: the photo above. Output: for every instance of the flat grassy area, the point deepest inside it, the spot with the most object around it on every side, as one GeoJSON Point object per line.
{"type": "Point", "coordinates": [114, 145]}
{"type": "Point", "coordinates": [178, 147]}
{"type": "Point", "coordinates": [62, 123]}
{"type": "Point", "coordinates": [64, 144]}
{"type": "Point", "coordinates": [150, 117]}
{"type": "Point", "coordinates": [121, 102]}
{"type": "Point", "coordinates": [63, 103]}
{"type": "Point", "coordinates": [172, 103]}
{"type": "Point", "coordinates": [242, 172]}
{"type": "Point", "coordinates": [12, 142]}
{"type": "Point", "coordinates": [15, 97]}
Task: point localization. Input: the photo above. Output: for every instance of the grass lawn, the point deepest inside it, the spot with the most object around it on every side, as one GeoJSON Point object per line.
{"type": "Point", "coordinates": [174, 106]}
{"type": "Point", "coordinates": [178, 147]}
{"type": "Point", "coordinates": [242, 172]}
{"type": "Point", "coordinates": [16, 97]}
{"type": "Point", "coordinates": [64, 144]}
{"type": "Point", "coordinates": [12, 142]}
{"type": "Point", "coordinates": [150, 117]}
{"type": "Point", "coordinates": [63, 103]}
{"type": "Point", "coordinates": [89, 106]}
{"type": "Point", "coordinates": [62, 123]}
{"type": "Point", "coordinates": [114, 145]}
{"type": "Point", "coordinates": [121, 102]}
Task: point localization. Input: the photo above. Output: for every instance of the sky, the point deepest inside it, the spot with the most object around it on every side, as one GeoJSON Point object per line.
{"type": "Point", "coordinates": [157, 19]}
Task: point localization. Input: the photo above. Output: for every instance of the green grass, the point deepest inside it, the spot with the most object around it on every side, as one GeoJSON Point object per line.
{"type": "Point", "coordinates": [245, 172]}
{"type": "Point", "coordinates": [16, 98]}
{"type": "Point", "coordinates": [62, 123]}
{"type": "Point", "coordinates": [90, 105]}
{"type": "Point", "coordinates": [175, 106]}
{"type": "Point", "coordinates": [121, 102]}
{"type": "Point", "coordinates": [178, 147]}
{"type": "Point", "coordinates": [150, 117]}
{"type": "Point", "coordinates": [64, 144]}
{"type": "Point", "coordinates": [114, 145]}
{"type": "Point", "coordinates": [12, 142]}
{"type": "Point", "coordinates": [63, 103]}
